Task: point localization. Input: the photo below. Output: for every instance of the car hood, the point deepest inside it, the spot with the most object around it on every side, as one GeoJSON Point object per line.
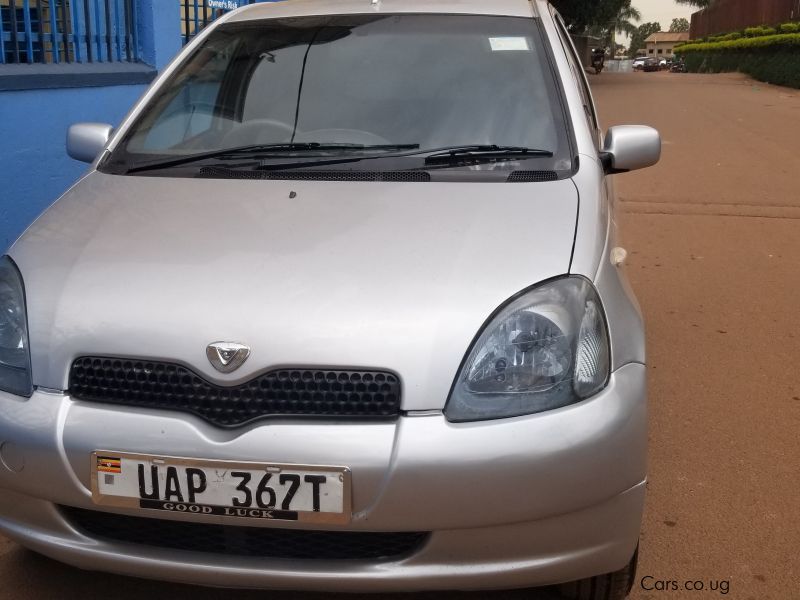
{"type": "Point", "coordinates": [395, 276]}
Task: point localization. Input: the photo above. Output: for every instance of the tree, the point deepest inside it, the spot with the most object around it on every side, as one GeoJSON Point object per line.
{"type": "Point", "coordinates": [580, 15]}
{"type": "Point", "coordinates": [623, 22]}
{"type": "Point", "coordinates": [697, 3]}
{"type": "Point", "coordinates": [679, 25]}
{"type": "Point", "coordinates": [642, 33]}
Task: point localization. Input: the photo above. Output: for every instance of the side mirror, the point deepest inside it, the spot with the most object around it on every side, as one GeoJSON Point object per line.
{"type": "Point", "coordinates": [85, 141]}
{"type": "Point", "coordinates": [630, 147]}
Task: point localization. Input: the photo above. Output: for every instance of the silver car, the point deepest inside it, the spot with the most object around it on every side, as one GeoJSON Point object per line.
{"type": "Point", "coordinates": [337, 307]}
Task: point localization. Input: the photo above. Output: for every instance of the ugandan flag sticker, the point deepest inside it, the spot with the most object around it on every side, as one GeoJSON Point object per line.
{"type": "Point", "coordinates": [109, 464]}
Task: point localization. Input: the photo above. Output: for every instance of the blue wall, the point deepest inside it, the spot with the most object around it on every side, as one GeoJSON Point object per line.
{"type": "Point", "coordinates": [34, 168]}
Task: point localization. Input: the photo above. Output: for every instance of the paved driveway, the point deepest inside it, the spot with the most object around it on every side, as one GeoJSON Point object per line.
{"type": "Point", "coordinates": [714, 240]}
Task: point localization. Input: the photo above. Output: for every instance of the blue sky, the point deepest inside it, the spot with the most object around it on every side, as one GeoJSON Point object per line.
{"type": "Point", "coordinates": [662, 11]}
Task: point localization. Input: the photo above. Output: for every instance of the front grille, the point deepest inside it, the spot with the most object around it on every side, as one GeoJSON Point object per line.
{"type": "Point", "coordinates": [317, 175]}
{"type": "Point", "coordinates": [281, 393]}
{"type": "Point", "coordinates": [235, 540]}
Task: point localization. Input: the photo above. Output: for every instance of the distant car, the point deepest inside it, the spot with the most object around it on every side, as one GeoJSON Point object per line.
{"type": "Point", "coordinates": [650, 64]}
{"type": "Point", "coordinates": [638, 63]}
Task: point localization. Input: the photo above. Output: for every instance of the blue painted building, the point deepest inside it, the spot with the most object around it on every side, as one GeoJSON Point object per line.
{"type": "Point", "coordinates": [63, 61]}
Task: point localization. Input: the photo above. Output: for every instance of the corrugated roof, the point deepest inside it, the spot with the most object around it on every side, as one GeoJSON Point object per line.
{"type": "Point", "coordinates": [665, 36]}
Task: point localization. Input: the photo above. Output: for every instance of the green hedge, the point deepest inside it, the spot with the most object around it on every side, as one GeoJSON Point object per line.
{"type": "Point", "coordinates": [759, 31]}
{"type": "Point", "coordinates": [750, 32]}
{"type": "Point", "coordinates": [790, 40]}
{"type": "Point", "coordinates": [774, 59]}
{"type": "Point", "coordinates": [726, 38]}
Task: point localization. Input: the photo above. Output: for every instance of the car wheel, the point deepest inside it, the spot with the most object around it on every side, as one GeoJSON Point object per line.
{"type": "Point", "coordinates": [611, 586]}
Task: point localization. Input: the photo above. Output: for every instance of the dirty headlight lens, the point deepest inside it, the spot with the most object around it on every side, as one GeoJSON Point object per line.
{"type": "Point", "coordinates": [546, 349]}
{"type": "Point", "coordinates": [15, 364]}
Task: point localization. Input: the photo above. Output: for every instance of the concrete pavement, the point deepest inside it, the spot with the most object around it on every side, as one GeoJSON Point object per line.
{"type": "Point", "coordinates": [714, 241]}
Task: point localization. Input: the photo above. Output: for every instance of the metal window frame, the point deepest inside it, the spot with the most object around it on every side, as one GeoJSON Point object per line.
{"type": "Point", "coordinates": [66, 31]}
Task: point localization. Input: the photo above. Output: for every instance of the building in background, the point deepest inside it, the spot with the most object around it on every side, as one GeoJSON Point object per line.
{"type": "Point", "coordinates": [725, 16]}
{"type": "Point", "coordinates": [662, 44]}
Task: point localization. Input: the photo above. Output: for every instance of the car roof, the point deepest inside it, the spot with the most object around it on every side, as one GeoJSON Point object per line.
{"type": "Point", "coordinates": [300, 8]}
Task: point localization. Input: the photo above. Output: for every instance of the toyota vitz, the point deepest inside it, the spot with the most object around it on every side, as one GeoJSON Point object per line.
{"type": "Point", "coordinates": [337, 307]}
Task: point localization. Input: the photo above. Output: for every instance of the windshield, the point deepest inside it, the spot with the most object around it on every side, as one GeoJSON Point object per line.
{"type": "Point", "coordinates": [365, 87]}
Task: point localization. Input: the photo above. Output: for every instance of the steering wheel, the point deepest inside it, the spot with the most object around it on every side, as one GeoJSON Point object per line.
{"type": "Point", "coordinates": [269, 123]}
{"type": "Point", "coordinates": [258, 131]}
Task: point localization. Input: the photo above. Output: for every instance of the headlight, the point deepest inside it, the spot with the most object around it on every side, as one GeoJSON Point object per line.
{"type": "Point", "coordinates": [15, 362]}
{"type": "Point", "coordinates": [546, 349]}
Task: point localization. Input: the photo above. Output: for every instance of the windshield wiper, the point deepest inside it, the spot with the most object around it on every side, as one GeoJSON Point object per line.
{"type": "Point", "coordinates": [441, 157]}
{"type": "Point", "coordinates": [483, 151]}
{"type": "Point", "coordinates": [265, 151]}
{"type": "Point", "coordinates": [346, 153]}
{"type": "Point", "coordinates": [309, 146]}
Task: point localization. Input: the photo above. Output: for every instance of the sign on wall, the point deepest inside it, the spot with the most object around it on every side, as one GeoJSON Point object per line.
{"type": "Point", "coordinates": [196, 14]}
{"type": "Point", "coordinates": [226, 4]}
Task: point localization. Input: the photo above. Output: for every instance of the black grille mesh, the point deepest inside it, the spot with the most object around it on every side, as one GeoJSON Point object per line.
{"type": "Point", "coordinates": [286, 392]}
{"type": "Point", "coordinates": [310, 175]}
{"type": "Point", "coordinates": [263, 542]}
{"type": "Point", "coordinates": [532, 176]}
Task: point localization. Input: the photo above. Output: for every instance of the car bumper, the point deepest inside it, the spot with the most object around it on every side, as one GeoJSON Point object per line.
{"type": "Point", "coordinates": [519, 502]}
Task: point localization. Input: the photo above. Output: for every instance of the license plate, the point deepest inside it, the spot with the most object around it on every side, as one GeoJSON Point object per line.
{"type": "Point", "coordinates": [312, 494]}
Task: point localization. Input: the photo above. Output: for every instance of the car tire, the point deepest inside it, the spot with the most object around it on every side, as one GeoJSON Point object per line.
{"type": "Point", "coordinates": [611, 586]}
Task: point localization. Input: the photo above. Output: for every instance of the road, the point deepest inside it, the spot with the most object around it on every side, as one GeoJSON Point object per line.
{"type": "Point", "coordinates": [713, 235]}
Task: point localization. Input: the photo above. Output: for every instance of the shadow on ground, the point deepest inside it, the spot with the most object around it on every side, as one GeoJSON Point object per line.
{"type": "Point", "coordinates": [27, 575]}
